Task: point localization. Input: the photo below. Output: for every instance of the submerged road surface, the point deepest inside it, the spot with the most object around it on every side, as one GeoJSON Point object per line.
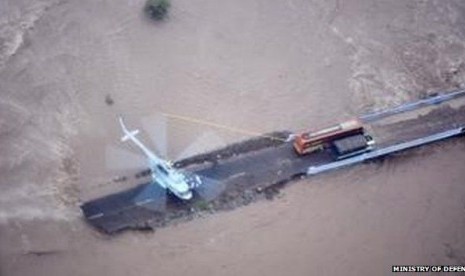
{"type": "Point", "coordinates": [253, 172]}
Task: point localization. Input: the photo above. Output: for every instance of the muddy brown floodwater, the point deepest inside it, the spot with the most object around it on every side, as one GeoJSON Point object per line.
{"type": "Point", "coordinates": [69, 68]}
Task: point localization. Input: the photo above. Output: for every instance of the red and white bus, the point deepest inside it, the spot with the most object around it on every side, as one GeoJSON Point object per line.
{"type": "Point", "coordinates": [311, 141]}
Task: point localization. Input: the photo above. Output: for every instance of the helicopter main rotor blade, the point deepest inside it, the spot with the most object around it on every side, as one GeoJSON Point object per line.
{"type": "Point", "coordinates": [152, 197]}
{"type": "Point", "coordinates": [120, 159]}
{"type": "Point", "coordinates": [156, 128]}
{"type": "Point", "coordinates": [208, 141]}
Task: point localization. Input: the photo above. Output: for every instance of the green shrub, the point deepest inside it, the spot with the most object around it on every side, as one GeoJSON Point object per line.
{"type": "Point", "coordinates": [157, 9]}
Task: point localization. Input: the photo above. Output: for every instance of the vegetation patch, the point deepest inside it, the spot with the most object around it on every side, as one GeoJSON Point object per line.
{"type": "Point", "coordinates": [157, 9]}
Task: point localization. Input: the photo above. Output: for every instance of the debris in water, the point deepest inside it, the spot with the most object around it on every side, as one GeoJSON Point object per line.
{"type": "Point", "coordinates": [109, 100]}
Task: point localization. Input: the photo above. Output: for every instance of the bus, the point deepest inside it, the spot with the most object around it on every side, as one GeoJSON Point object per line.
{"type": "Point", "coordinates": [312, 141]}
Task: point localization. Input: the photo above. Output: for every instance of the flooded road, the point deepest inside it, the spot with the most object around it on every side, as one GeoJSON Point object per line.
{"type": "Point", "coordinates": [68, 69]}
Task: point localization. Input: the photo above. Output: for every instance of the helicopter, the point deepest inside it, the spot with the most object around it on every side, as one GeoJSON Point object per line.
{"type": "Point", "coordinates": [163, 172]}
{"type": "Point", "coordinates": [166, 178]}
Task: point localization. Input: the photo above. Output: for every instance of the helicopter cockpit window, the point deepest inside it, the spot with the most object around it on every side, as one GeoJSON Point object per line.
{"type": "Point", "coordinates": [163, 170]}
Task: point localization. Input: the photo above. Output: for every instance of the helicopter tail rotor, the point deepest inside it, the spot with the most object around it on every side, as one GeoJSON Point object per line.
{"type": "Point", "coordinates": [128, 134]}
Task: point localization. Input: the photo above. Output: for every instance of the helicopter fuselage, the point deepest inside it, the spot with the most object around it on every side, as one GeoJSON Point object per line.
{"type": "Point", "coordinates": [171, 179]}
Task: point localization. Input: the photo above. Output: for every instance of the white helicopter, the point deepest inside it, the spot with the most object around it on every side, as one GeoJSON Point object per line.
{"type": "Point", "coordinates": [166, 177]}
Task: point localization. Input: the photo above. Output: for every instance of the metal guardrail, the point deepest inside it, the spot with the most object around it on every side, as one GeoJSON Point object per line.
{"type": "Point", "coordinates": [435, 100]}
{"type": "Point", "coordinates": [385, 151]}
